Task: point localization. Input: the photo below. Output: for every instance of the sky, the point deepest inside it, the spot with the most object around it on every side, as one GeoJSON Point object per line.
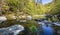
{"type": "Point", "coordinates": [45, 1]}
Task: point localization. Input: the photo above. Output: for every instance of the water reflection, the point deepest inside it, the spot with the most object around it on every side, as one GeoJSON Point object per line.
{"type": "Point", "coordinates": [47, 28]}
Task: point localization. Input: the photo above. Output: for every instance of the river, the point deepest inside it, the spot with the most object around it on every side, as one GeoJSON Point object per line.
{"type": "Point", "coordinates": [47, 28]}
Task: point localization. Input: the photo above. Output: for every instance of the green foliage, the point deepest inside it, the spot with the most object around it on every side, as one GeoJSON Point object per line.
{"type": "Point", "coordinates": [33, 29]}
{"type": "Point", "coordinates": [54, 7]}
{"type": "Point", "coordinates": [27, 6]}
{"type": "Point", "coordinates": [30, 7]}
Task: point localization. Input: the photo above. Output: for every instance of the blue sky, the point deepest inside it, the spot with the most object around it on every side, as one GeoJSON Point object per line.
{"type": "Point", "coordinates": [45, 1]}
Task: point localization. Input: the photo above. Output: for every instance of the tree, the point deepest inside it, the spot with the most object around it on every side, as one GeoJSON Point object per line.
{"type": "Point", "coordinates": [54, 7]}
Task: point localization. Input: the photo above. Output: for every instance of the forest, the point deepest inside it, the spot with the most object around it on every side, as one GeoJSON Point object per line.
{"type": "Point", "coordinates": [29, 13]}
{"type": "Point", "coordinates": [28, 7]}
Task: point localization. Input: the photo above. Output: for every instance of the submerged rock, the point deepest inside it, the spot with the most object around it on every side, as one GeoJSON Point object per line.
{"type": "Point", "coordinates": [12, 30]}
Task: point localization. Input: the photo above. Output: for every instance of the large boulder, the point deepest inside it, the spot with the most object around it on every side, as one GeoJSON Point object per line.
{"type": "Point", "coordinates": [16, 29]}
{"type": "Point", "coordinates": [2, 18]}
{"type": "Point", "coordinates": [29, 17]}
{"type": "Point", "coordinates": [12, 30]}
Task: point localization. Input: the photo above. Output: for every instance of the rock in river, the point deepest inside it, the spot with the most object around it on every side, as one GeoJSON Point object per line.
{"type": "Point", "coordinates": [12, 30]}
